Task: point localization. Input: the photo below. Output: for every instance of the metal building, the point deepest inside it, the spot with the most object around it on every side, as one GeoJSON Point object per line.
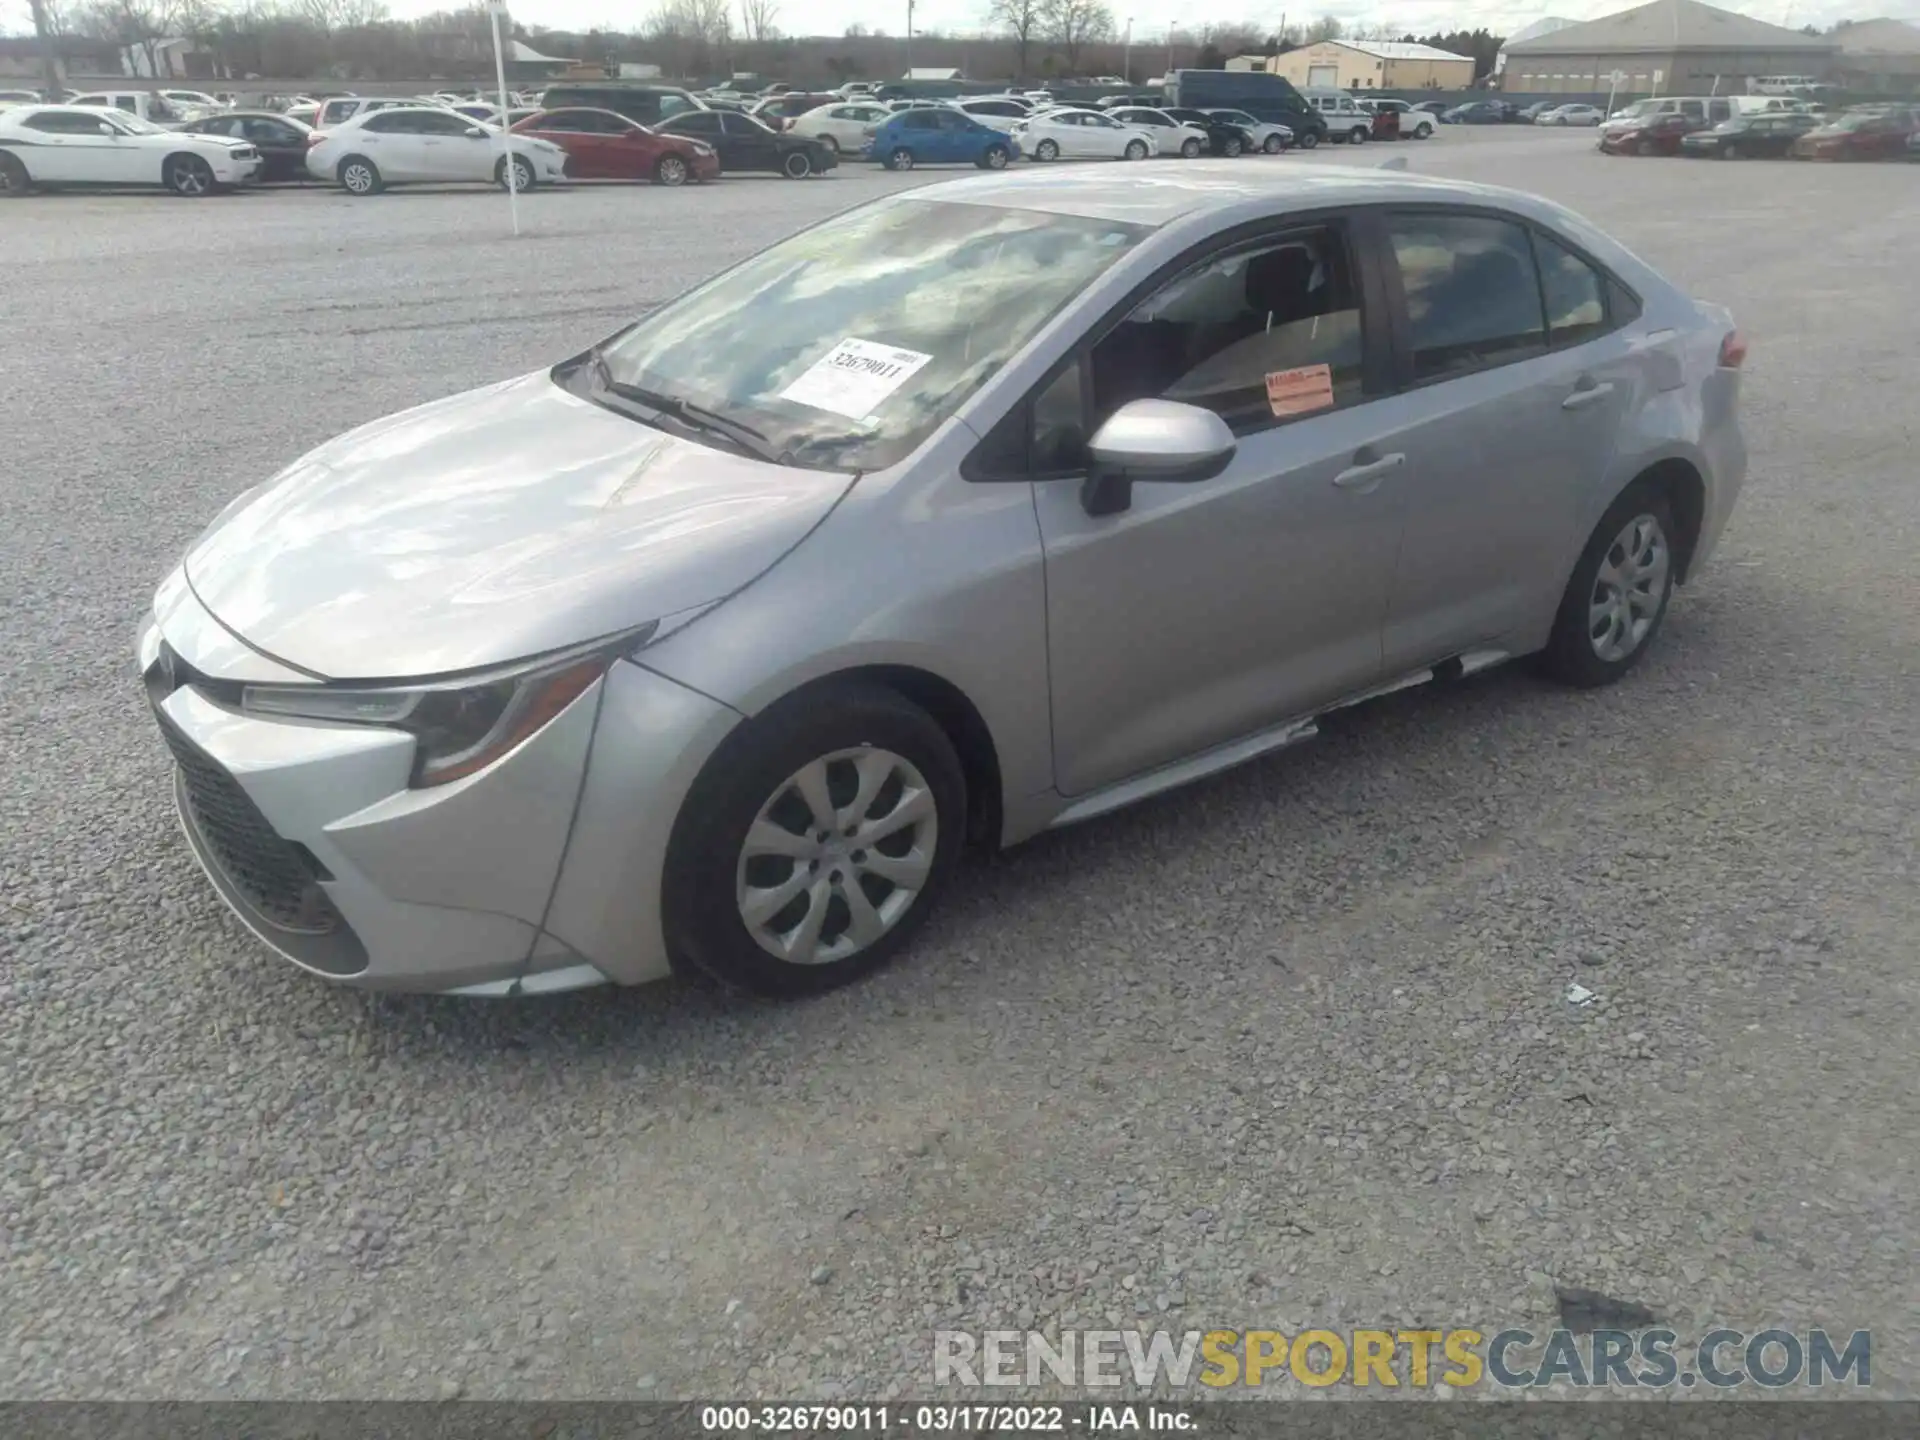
{"type": "Point", "coordinates": [1668, 47]}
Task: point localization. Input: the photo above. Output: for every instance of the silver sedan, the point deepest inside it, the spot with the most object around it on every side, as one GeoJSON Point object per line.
{"type": "Point", "coordinates": [984, 508]}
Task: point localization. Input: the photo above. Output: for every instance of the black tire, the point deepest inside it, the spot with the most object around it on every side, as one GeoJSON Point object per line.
{"type": "Point", "coordinates": [1136, 150]}
{"type": "Point", "coordinates": [1190, 149]}
{"type": "Point", "coordinates": [671, 170]}
{"type": "Point", "coordinates": [1232, 148]}
{"type": "Point", "coordinates": [1359, 135]}
{"type": "Point", "coordinates": [1309, 139]}
{"type": "Point", "coordinates": [1423, 132]}
{"type": "Point", "coordinates": [359, 176]}
{"type": "Point", "coordinates": [831, 143]}
{"type": "Point", "coordinates": [1047, 150]}
{"type": "Point", "coordinates": [1570, 656]}
{"type": "Point", "coordinates": [523, 177]}
{"type": "Point", "coordinates": [14, 180]}
{"type": "Point", "coordinates": [188, 176]}
{"type": "Point", "coordinates": [701, 908]}
{"type": "Point", "coordinates": [994, 157]}
{"type": "Point", "coordinates": [797, 166]}
{"type": "Point", "coordinates": [900, 159]}
{"type": "Point", "coordinates": [1273, 145]}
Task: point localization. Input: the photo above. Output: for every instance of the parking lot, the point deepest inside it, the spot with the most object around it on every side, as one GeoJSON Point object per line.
{"type": "Point", "coordinates": [1287, 1048]}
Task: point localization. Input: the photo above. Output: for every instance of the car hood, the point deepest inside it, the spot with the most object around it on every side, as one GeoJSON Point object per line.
{"type": "Point", "coordinates": [490, 526]}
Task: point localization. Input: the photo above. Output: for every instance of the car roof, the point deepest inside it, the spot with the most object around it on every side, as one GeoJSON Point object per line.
{"type": "Point", "coordinates": [1201, 187]}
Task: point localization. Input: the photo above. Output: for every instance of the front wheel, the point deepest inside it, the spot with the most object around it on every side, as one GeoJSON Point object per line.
{"type": "Point", "coordinates": [831, 143]}
{"type": "Point", "coordinates": [1309, 139]}
{"type": "Point", "coordinates": [1136, 150]}
{"type": "Point", "coordinates": [1618, 593]}
{"type": "Point", "coordinates": [1046, 150]}
{"type": "Point", "coordinates": [797, 166]}
{"type": "Point", "coordinates": [522, 178]}
{"type": "Point", "coordinates": [995, 157]}
{"type": "Point", "coordinates": [901, 159]}
{"type": "Point", "coordinates": [1423, 132]}
{"type": "Point", "coordinates": [1359, 134]}
{"type": "Point", "coordinates": [672, 170]}
{"type": "Point", "coordinates": [1190, 149]}
{"type": "Point", "coordinates": [816, 840]}
{"type": "Point", "coordinates": [1273, 145]}
{"type": "Point", "coordinates": [189, 175]}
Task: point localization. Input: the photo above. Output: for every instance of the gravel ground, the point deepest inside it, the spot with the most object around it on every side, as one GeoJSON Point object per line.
{"type": "Point", "coordinates": [1289, 1047]}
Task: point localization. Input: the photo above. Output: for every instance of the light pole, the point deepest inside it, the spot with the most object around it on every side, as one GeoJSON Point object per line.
{"type": "Point", "coordinates": [1126, 65]}
{"type": "Point", "coordinates": [909, 40]}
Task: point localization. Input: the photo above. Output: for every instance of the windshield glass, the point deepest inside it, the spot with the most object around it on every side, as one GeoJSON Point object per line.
{"type": "Point", "coordinates": [847, 344]}
{"type": "Point", "coordinates": [1854, 122]}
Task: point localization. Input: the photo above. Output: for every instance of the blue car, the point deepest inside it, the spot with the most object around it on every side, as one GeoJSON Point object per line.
{"type": "Point", "coordinates": [933, 135]}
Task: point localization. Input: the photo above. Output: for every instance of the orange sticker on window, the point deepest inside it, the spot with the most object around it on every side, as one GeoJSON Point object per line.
{"type": "Point", "coordinates": [1300, 391]}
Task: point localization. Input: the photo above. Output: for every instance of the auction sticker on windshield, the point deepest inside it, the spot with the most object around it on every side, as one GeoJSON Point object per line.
{"type": "Point", "coordinates": [854, 377]}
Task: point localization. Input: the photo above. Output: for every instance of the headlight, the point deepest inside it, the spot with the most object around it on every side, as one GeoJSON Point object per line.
{"type": "Point", "coordinates": [460, 725]}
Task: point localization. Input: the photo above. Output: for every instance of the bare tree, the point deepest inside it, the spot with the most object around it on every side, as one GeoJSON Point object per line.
{"type": "Point", "coordinates": [1074, 24]}
{"type": "Point", "coordinates": [331, 15]}
{"type": "Point", "coordinates": [1327, 27]}
{"type": "Point", "coordinates": [709, 21]}
{"type": "Point", "coordinates": [136, 26]}
{"type": "Point", "coordinates": [757, 17]}
{"type": "Point", "coordinates": [1023, 20]}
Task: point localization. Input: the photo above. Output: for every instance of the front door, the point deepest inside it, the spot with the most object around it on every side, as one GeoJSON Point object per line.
{"type": "Point", "coordinates": [1207, 612]}
{"type": "Point", "coordinates": [1520, 420]}
{"type": "Point", "coordinates": [751, 141]}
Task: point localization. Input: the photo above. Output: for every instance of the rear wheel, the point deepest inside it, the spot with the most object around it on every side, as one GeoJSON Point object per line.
{"type": "Point", "coordinates": [1645, 147]}
{"type": "Point", "coordinates": [1046, 150]}
{"type": "Point", "coordinates": [831, 143]}
{"type": "Point", "coordinates": [797, 166]}
{"type": "Point", "coordinates": [1359, 134]}
{"type": "Point", "coordinates": [14, 180]}
{"type": "Point", "coordinates": [1190, 149]}
{"type": "Point", "coordinates": [1423, 131]}
{"type": "Point", "coordinates": [815, 842]}
{"type": "Point", "coordinates": [672, 170]}
{"type": "Point", "coordinates": [1309, 139]}
{"type": "Point", "coordinates": [188, 175]}
{"type": "Point", "coordinates": [1273, 145]}
{"type": "Point", "coordinates": [1231, 147]}
{"type": "Point", "coordinates": [1618, 593]}
{"type": "Point", "coordinates": [994, 157]}
{"type": "Point", "coordinates": [900, 159]}
{"type": "Point", "coordinates": [359, 176]}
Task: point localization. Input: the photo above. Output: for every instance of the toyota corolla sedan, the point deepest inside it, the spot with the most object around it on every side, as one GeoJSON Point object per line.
{"type": "Point", "coordinates": [1023, 498]}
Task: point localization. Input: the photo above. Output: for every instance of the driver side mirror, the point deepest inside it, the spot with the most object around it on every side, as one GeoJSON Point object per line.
{"type": "Point", "coordinates": [106, 129]}
{"type": "Point", "coordinates": [1158, 440]}
{"type": "Point", "coordinates": [474, 132]}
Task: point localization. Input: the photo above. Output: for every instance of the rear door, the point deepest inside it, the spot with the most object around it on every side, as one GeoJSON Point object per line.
{"type": "Point", "coordinates": [1506, 341]}
{"type": "Point", "coordinates": [391, 140]}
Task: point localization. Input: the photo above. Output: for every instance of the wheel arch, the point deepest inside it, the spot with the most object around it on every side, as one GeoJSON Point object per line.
{"type": "Point", "coordinates": [1679, 479]}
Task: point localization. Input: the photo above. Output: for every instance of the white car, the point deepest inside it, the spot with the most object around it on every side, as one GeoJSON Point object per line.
{"type": "Point", "coordinates": [56, 145]}
{"type": "Point", "coordinates": [193, 100]}
{"type": "Point", "coordinates": [997, 112]}
{"type": "Point", "coordinates": [425, 145]}
{"type": "Point", "coordinates": [847, 128]}
{"type": "Point", "coordinates": [1074, 134]}
{"type": "Point", "coordinates": [342, 108]}
{"type": "Point", "coordinates": [1173, 137]}
{"type": "Point", "coordinates": [1347, 123]}
{"type": "Point", "coordinates": [1572, 115]}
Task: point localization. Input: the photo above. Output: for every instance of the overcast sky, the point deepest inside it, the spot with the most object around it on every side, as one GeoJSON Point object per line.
{"type": "Point", "coordinates": [1150, 17]}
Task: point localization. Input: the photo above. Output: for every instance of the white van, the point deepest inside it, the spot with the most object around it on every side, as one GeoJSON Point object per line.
{"type": "Point", "coordinates": [145, 104]}
{"type": "Point", "coordinates": [1710, 108]}
{"type": "Point", "coordinates": [1765, 105]}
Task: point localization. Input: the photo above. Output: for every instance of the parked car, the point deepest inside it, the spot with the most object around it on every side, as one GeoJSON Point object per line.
{"type": "Point", "coordinates": [1571, 115]}
{"type": "Point", "coordinates": [745, 144]}
{"type": "Point", "coordinates": [62, 146]}
{"type": "Point", "coordinates": [192, 100]}
{"type": "Point", "coordinates": [1879, 134]}
{"type": "Point", "coordinates": [1412, 124]}
{"type": "Point", "coordinates": [423, 144]}
{"type": "Point", "coordinates": [1269, 137]}
{"type": "Point", "coordinates": [847, 128]}
{"type": "Point", "coordinates": [646, 102]}
{"type": "Point", "coordinates": [1476, 112]}
{"type": "Point", "coordinates": [1652, 135]}
{"type": "Point", "coordinates": [1913, 146]}
{"type": "Point", "coordinates": [1435, 108]}
{"type": "Point", "coordinates": [1347, 123]}
{"type": "Point", "coordinates": [338, 109]}
{"type": "Point", "coordinates": [1747, 137]}
{"type": "Point", "coordinates": [778, 112]}
{"type": "Point", "coordinates": [20, 97]}
{"type": "Point", "coordinates": [1171, 136]}
{"type": "Point", "coordinates": [481, 110]}
{"type": "Point", "coordinates": [281, 141]}
{"type": "Point", "coordinates": [1002, 112]}
{"type": "Point", "coordinates": [150, 106]}
{"type": "Point", "coordinates": [1531, 113]}
{"type": "Point", "coordinates": [940, 136]}
{"type": "Point", "coordinates": [578, 677]}
{"type": "Point", "coordinates": [601, 145]}
{"type": "Point", "coordinates": [1707, 109]}
{"type": "Point", "coordinates": [1224, 137]}
{"type": "Point", "coordinates": [1075, 134]}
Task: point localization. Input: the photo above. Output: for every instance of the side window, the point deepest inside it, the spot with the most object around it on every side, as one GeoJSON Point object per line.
{"type": "Point", "coordinates": [127, 103]}
{"type": "Point", "coordinates": [385, 124]}
{"type": "Point", "coordinates": [1575, 292]}
{"type": "Point", "coordinates": [1473, 299]}
{"type": "Point", "coordinates": [674, 105]}
{"type": "Point", "coordinates": [704, 122]}
{"type": "Point", "coordinates": [1215, 336]}
{"type": "Point", "coordinates": [433, 124]}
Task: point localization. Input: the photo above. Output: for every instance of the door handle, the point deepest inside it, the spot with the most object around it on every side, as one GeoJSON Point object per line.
{"type": "Point", "coordinates": [1363, 477]}
{"type": "Point", "coordinates": [1587, 395]}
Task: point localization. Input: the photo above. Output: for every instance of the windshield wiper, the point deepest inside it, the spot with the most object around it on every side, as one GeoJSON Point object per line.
{"type": "Point", "coordinates": [694, 417]}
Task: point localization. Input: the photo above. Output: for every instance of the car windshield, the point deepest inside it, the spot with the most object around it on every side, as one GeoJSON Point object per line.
{"type": "Point", "coordinates": [845, 346]}
{"type": "Point", "coordinates": [1855, 122]}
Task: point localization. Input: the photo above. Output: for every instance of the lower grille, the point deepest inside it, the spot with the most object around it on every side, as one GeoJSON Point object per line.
{"type": "Point", "coordinates": [274, 876]}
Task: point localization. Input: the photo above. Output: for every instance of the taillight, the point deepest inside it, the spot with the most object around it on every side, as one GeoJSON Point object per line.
{"type": "Point", "coordinates": [1733, 350]}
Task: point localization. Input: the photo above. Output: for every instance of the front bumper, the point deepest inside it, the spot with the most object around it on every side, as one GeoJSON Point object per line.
{"type": "Point", "coordinates": [517, 879]}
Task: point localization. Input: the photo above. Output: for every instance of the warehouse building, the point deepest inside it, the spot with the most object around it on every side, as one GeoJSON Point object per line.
{"type": "Point", "coordinates": [1670, 47]}
{"type": "Point", "coordinates": [1371, 65]}
{"type": "Point", "coordinates": [1878, 57]}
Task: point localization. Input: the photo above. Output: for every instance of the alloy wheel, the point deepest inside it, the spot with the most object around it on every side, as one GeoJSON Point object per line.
{"type": "Point", "coordinates": [1273, 145]}
{"type": "Point", "coordinates": [1046, 150]}
{"type": "Point", "coordinates": [357, 178]}
{"type": "Point", "coordinates": [837, 856]}
{"type": "Point", "coordinates": [189, 175]}
{"type": "Point", "coordinates": [673, 170]}
{"type": "Point", "coordinates": [1629, 589]}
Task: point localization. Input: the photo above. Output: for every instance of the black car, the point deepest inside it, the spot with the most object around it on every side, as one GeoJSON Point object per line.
{"type": "Point", "coordinates": [1770, 133]}
{"type": "Point", "coordinates": [1223, 137]}
{"type": "Point", "coordinates": [281, 140]}
{"type": "Point", "coordinates": [745, 144]}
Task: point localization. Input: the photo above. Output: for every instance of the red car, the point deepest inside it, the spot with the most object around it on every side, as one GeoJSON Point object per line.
{"type": "Point", "coordinates": [1860, 135]}
{"type": "Point", "coordinates": [601, 145]}
{"type": "Point", "coordinates": [1654, 135]}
